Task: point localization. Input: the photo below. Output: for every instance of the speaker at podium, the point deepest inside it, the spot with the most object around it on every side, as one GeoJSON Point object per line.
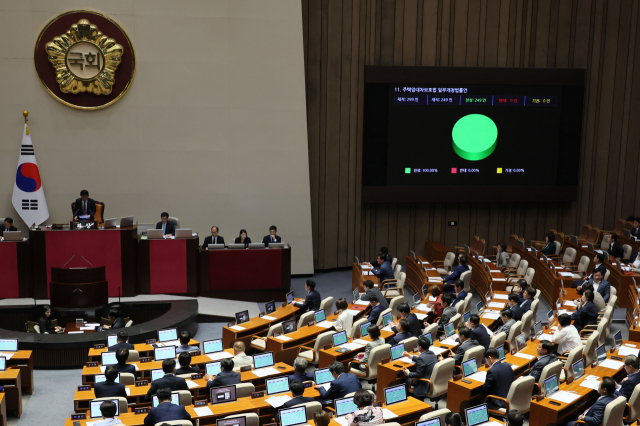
{"type": "Point", "coordinates": [79, 287]}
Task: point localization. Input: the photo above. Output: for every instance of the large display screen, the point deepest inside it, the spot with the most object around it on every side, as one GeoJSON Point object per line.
{"type": "Point", "coordinates": [442, 134]}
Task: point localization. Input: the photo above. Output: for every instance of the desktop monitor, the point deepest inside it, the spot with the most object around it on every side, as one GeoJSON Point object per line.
{"type": "Point", "coordinates": [236, 421]}
{"type": "Point", "coordinates": [617, 338]}
{"type": "Point", "coordinates": [387, 318]}
{"type": "Point", "coordinates": [430, 422]}
{"type": "Point", "coordinates": [413, 254]}
{"type": "Point", "coordinates": [270, 307]}
{"type": "Point", "coordinates": [293, 416]}
{"type": "Point", "coordinates": [396, 351]}
{"type": "Point", "coordinates": [551, 385]}
{"type": "Point", "coordinates": [538, 327]}
{"type": "Point", "coordinates": [8, 345]}
{"type": "Point", "coordinates": [428, 337]}
{"type": "Point", "coordinates": [602, 354]}
{"type": "Point", "coordinates": [289, 326]}
{"type": "Point", "coordinates": [356, 295]}
{"type": "Point", "coordinates": [242, 317]}
{"type": "Point", "coordinates": [167, 335]}
{"type": "Point", "coordinates": [477, 415]}
{"type": "Point", "coordinates": [290, 297]}
{"type": "Point", "coordinates": [578, 369]}
{"type": "Point", "coordinates": [395, 394]}
{"type": "Point", "coordinates": [108, 358]}
{"type": "Point", "coordinates": [223, 394]}
{"type": "Point", "coordinates": [466, 316]}
{"type": "Point", "coordinates": [320, 316]}
{"type": "Point", "coordinates": [263, 360]}
{"type": "Point", "coordinates": [3, 363]}
{"type": "Point", "coordinates": [416, 298]}
{"type": "Point", "coordinates": [480, 308]}
{"type": "Point", "coordinates": [112, 340]}
{"type": "Point", "coordinates": [175, 399]}
{"type": "Point", "coordinates": [166, 352]}
{"type": "Point", "coordinates": [550, 315]}
{"type": "Point", "coordinates": [211, 346]}
{"type": "Point", "coordinates": [450, 329]}
{"type": "Point", "coordinates": [126, 221]}
{"type": "Point", "coordinates": [467, 249]}
{"type": "Point", "coordinates": [322, 376]}
{"type": "Point", "coordinates": [574, 239]}
{"type": "Point", "coordinates": [469, 367]}
{"type": "Point", "coordinates": [277, 385]}
{"type": "Point", "coordinates": [94, 408]}
{"type": "Point", "coordinates": [339, 338]}
{"type": "Point", "coordinates": [344, 406]}
{"type": "Point", "coordinates": [213, 368]}
{"type": "Point", "coordinates": [521, 342]}
{"type": "Point", "coordinates": [157, 374]}
{"type": "Point", "coordinates": [363, 329]}
{"type": "Point", "coordinates": [501, 355]}
{"type": "Point", "coordinates": [424, 290]}
{"type": "Point", "coordinates": [99, 378]}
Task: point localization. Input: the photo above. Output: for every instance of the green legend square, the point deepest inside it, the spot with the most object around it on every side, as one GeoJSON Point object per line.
{"type": "Point", "coordinates": [407, 169]}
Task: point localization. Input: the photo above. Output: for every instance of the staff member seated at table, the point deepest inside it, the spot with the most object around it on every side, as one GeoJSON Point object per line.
{"type": "Point", "coordinates": [615, 249]}
{"type": "Point", "coordinates": [7, 226]}
{"type": "Point", "coordinates": [184, 359]}
{"type": "Point", "coordinates": [168, 381]}
{"type": "Point", "coordinates": [461, 294]}
{"type": "Point", "coordinates": [240, 359]}
{"type": "Point", "coordinates": [528, 294]}
{"type": "Point", "coordinates": [387, 257]}
{"type": "Point", "coordinates": [165, 411]}
{"type": "Point", "coordinates": [272, 237]}
{"type": "Point", "coordinates": [479, 332]}
{"type": "Point", "coordinates": [108, 410]}
{"type": "Point", "coordinates": [376, 309]}
{"type": "Point", "coordinates": [312, 301]}
{"type": "Point", "coordinates": [425, 362]}
{"type": "Point", "coordinates": [366, 414]}
{"type": "Point", "coordinates": [567, 336]}
{"type": "Point", "coordinates": [498, 381]}
{"type": "Point", "coordinates": [299, 371]}
{"type": "Point", "coordinates": [402, 332]}
{"type": "Point", "coordinates": [344, 322]}
{"type": "Point", "coordinates": [122, 355]}
{"type": "Point", "coordinates": [545, 357]}
{"type": "Point", "coordinates": [595, 413]}
{"type": "Point", "coordinates": [434, 291]}
{"type": "Point", "coordinates": [599, 284]}
{"type": "Point", "coordinates": [342, 384]}
{"type": "Point", "coordinates": [466, 343]}
{"type": "Point", "coordinates": [448, 311]}
{"type": "Point", "coordinates": [110, 387]}
{"type": "Point", "coordinates": [384, 271]}
{"type": "Point", "coordinates": [456, 273]}
{"type": "Point", "coordinates": [587, 314]}
{"type": "Point", "coordinates": [297, 390]}
{"type": "Point", "coordinates": [165, 225]}
{"type": "Point", "coordinates": [376, 340]}
{"type": "Point", "coordinates": [226, 377]}
{"type": "Point", "coordinates": [598, 261]}
{"type": "Point", "coordinates": [598, 300]}
{"type": "Point", "coordinates": [185, 338]}
{"type": "Point", "coordinates": [628, 384]}
{"type": "Point", "coordinates": [513, 303]}
{"type": "Point", "coordinates": [121, 342]}
{"type": "Point", "coordinates": [550, 248]}
{"type": "Point", "coordinates": [414, 323]}
{"type": "Point", "coordinates": [242, 238]}
{"type": "Point", "coordinates": [214, 238]}
{"type": "Point", "coordinates": [116, 320]}
{"type": "Point", "coordinates": [85, 206]}
{"type": "Point", "coordinates": [45, 322]}
{"type": "Point", "coordinates": [507, 321]}
{"type": "Point", "coordinates": [370, 289]}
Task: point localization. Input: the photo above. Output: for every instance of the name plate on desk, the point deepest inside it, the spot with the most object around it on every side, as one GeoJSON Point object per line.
{"type": "Point", "coordinates": [195, 353]}
{"type": "Point", "coordinates": [245, 368]}
{"type": "Point", "coordinates": [284, 305]}
{"type": "Point", "coordinates": [311, 324]}
{"type": "Point", "coordinates": [377, 404]}
{"type": "Point", "coordinates": [231, 324]}
{"type": "Point", "coordinates": [261, 314]}
{"type": "Point", "coordinates": [259, 394]}
{"type": "Point", "coordinates": [201, 403]}
{"type": "Point", "coordinates": [98, 346]}
{"type": "Point", "coordinates": [328, 346]}
{"type": "Point", "coordinates": [196, 376]}
{"type": "Point", "coordinates": [151, 341]}
{"type": "Point", "coordinates": [92, 364]}
{"type": "Point", "coordinates": [143, 410]}
{"type": "Point", "coordinates": [142, 383]}
{"type": "Point", "coordinates": [146, 359]}
{"type": "Point", "coordinates": [77, 416]}
{"type": "Point", "coordinates": [307, 384]}
{"type": "Point", "coordinates": [83, 388]}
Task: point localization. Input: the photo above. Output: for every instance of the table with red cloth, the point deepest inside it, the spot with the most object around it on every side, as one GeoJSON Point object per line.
{"type": "Point", "coordinates": [168, 266]}
{"type": "Point", "coordinates": [256, 275]}
{"type": "Point", "coordinates": [15, 269]}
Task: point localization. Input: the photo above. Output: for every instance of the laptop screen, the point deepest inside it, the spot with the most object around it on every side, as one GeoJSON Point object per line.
{"type": "Point", "coordinates": [270, 307]}
{"type": "Point", "coordinates": [8, 345]}
{"type": "Point", "coordinates": [99, 378]}
{"type": "Point", "coordinates": [112, 340]}
{"type": "Point", "coordinates": [157, 374]}
{"type": "Point", "coordinates": [469, 367]}
{"type": "Point", "coordinates": [95, 412]}
{"type": "Point", "coordinates": [450, 329]}
{"type": "Point", "coordinates": [345, 406]}
{"type": "Point", "coordinates": [210, 346]}
{"type": "Point", "coordinates": [550, 315]}
{"type": "Point", "coordinates": [242, 317]}
{"type": "Point", "coordinates": [617, 338]}
{"type": "Point", "coordinates": [339, 338]}
{"type": "Point", "coordinates": [428, 336]}
{"type": "Point", "coordinates": [236, 421]}
{"type": "Point", "coordinates": [320, 316]}
{"type": "Point", "coordinates": [166, 335]}
{"type": "Point", "coordinates": [363, 329]}
{"type": "Point", "coordinates": [223, 394]}
{"type": "Point", "coordinates": [416, 298]}
{"type": "Point", "coordinates": [501, 353]}
{"type": "Point", "coordinates": [430, 422]}
{"type": "Point", "coordinates": [538, 327]}
{"type": "Point", "coordinates": [356, 295]}
{"type": "Point", "coordinates": [396, 351]}
{"type": "Point", "coordinates": [578, 369]}
{"type": "Point", "coordinates": [289, 326]}
{"type": "Point", "coordinates": [323, 375]}
{"type": "Point", "coordinates": [3, 363]}
{"type": "Point", "coordinates": [108, 358]}
{"type": "Point", "coordinates": [387, 318]}
{"type": "Point", "coordinates": [293, 416]}
{"type": "Point", "coordinates": [521, 341]}
{"type": "Point", "coordinates": [263, 360]}
{"type": "Point", "coordinates": [175, 399]}
{"type": "Point", "coordinates": [602, 353]}
{"type": "Point", "coordinates": [551, 385]}
{"type": "Point", "coordinates": [477, 415]}
{"type": "Point", "coordinates": [424, 290]}
{"type": "Point", "coordinates": [466, 316]}
{"type": "Point", "coordinates": [395, 394]}
{"type": "Point", "coordinates": [277, 385]}
{"type": "Point", "coordinates": [480, 308]}
{"type": "Point", "coordinates": [213, 368]}
{"type": "Point", "coordinates": [290, 297]}
{"type": "Point", "coordinates": [164, 353]}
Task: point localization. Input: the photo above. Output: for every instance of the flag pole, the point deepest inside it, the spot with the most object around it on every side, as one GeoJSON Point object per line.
{"type": "Point", "coordinates": [26, 120]}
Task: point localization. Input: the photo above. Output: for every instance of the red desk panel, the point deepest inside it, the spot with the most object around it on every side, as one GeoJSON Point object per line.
{"type": "Point", "coordinates": [168, 266]}
{"type": "Point", "coordinates": [10, 287]}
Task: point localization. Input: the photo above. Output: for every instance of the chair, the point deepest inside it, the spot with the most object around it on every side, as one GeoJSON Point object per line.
{"type": "Point", "coordinates": [396, 271]}
{"type": "Point", "coordinates": [614, 292]}
{"type": "Point", "coordinates": [627, 250]}
{"type": "Point", "coordinates": [456, 320]}
{"type": "Point", "coordinates": [513, 262]}
{"type": "Point", "coordinates": [534, 308]}
{"type": "Point", "coordinates": [98, 217]}
{"type": "Point", "coordinates": [439, 382]}
{"type": "Point", "coordinates": [515, 330]}
{"type": "Point", "coordinates": [122, 402]}
{"type": "Point", "coordinates": [310, 408]}
{"type": "Point", "coordinates": [327, 306]}
{"type": "Point", "coordinates": [612, 298]}
{"type": "Point", "coordinates": [175, 423]}
{"type": "Point", "coordinates": [355, 328]}
{"type": "Point", "coordinates": [394, 262]}
{"type": "Point", "coordinates": [306, 318]}
{"type": "Point", "coordinates": [398, 289]}
{"type": "Point", "coordinates": [184, 397]}
{"type": "Point", "coordinates": [528, 277]}
{"type": "Point", "coordinates": [445, 265]}
{"type": "Point", "coordinates": [251, 419]}
{"type": "Point", "coordinates": [373, 395]}
{"type": "Point", "coordinates": [467, 302]}
{"type": "Point", "coordinates": [574, 355]}
{"type": "Point", "coordinates": [590, 348]}
{"type": "Point", "coordinates": [129, 323]}
{"type": "Point", "coordinates": [127, 379]}
{"type": "Point", "coordinates": [475, 352]}
{"type": "Point", "coordinates": [619, 226]}
{"type": "Point", "coordinates": [590, 329]}
{"type": "Point", "coordinates": [175, 221]}
{"type": "Point", "coordinates": [466, 279]}
{"type": "Point", "coordinates": [569, 256]}
{"type": "Point", "coordinates": [537, 296]}
{"type": "Point", "coordinates": [376, 356]}
{"type": "Point", "coordinates": [580, 271]}
{"type": "Point", "coordinates": [548, 371]}
{"type": "Point", "coordinates": [37, 329]}
{"type": "Point", "coordinates": [245, 389]}
{"type": "Point", "coordinates": [433, 329]}
{"type": "Point", "coordinates": [260, 343]}
{"type": "Point", "coordinates": [613, 413]}
{"type": "Point", "coordinates": [498, 339]}
{"type": "Point", "coordinates": [633, 405]}
{"type": "Point", "coordinates": [515, 275]}
{"type": "Point", "coordinates": [435, 414]}
{"type": "Point", "coordinates": [313, 355]}
{"type": "Point", "coordinates": [527, 323]}
{"type": "Point", "coordinates": [134, 356]}
{"type": "Point", "coordinates": [606, 242]}
{"type": "Point", "coordinates": [410, 344]}
{"type": "Point", "coordinates": [584, 233]}
{"type": "Point", "coordinates": [558, 245]}
{"type": "Point", "coordinates": [518, 398]}
{"type": "Point", "coordinates": [379, 323]}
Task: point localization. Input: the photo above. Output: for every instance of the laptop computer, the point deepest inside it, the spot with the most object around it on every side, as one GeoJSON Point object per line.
{"type": "Point", "coordinates": [155, 234]}
{"type": "Point", "coordinates": [501, 354]}
{"type": "Point", "coordinates": [99, 378]}
{"type": "Point", "coordinates": [477, 415]}
{"type": "Point", "coordinates": [290, 297]}
{"type": "Point", "coordinates": [319, 316]}
{"type": "Point", "coordinates": [601, 353]}
{"type": "Point", "coordinates": [356, 295]}
{"type": "Point", "coordinates": [450, 329]}
{"type": "Point", "coordinates": [289, 326]}
{"type": "Point", "coordinates": [424, 290]}
{"type": "Point", "coordinates": [156, 374]}
{"type": "Point", "coordinates": [94, 408]}
{"type": "Point", "coordinates": [211, 346]}
{"type": "Point", "coordinates": [521, 244]}
{"type": "Point", "coordinates": [167, 335]}
{"type": "Point", "coordinates": [110, 223]}
{"type": "Point", "coordinates": [467, 249]}
{"type": "Point", "coordinates": [550, 315]}
{"type": "Point", "coordinates": [578, 369]}
{"type": "Point", "coordinates": [480, 307]}
{"type": "Point", "coordinates": [416, 298]}
{"type": "Point", "coordinates": [184, 233]}
{"type": "Point", "coordinates": [430, 422]}
{"type": "Point", "coordinates": [617, 339]}
{"type": "Point", "coordinates": [339, 338]}
{"type": "Point", "coordinates": [428, 337]}
{"type": "Point", "coordinates": [242, 317]}
{"type": "Point", "coordinates": [396, 351]}
{"type": "Point", "coordinates": [466, 316]}
{"type": "Point", "coordinates": [270, 307]}
{"type": "Point", "coordinates": [538, 328]}
{"type": "Point", "coordinates": [322, 376]}
{"type": "Point", "coordinates": [551, 385]}
{"type": "Point", "coordinates": [108, 358]}
{"type": "Point", "coordinates": [223, 394]}
{"type": "Point", "coordinates": [213, 368]}
{"type": "Point", "coordinates": [254, 246]}
{"type": "Point", "coordinates": [363, 329]}
{"type": "Point", "coordinates": [395, 394]}
{"type": "Point", "coordinates": [274, 245]}
{"type": "Point", "coordinates": [387, 318]}
{"type": "Point", "coordinates": [160, 354]}
{"type": "Point", "coordinates": [344, 406]}
{"type": "Point", "coordinates": [521, 342]}
{"type": "Point", "coordinates": [263, 360]}
{"type": "Point", "coordinates": [126, 221]}
{"type": "Point", "coordinates": [277, 385]}
{"type": "Point", "coordinates": [3, 363]}
{"type": "Point", "coordinates": [590, 247]}
{"type": "Point", "coordinates": [175, 399]}
{"type": "Point", "coordinates": [469, 367]}
{"type": "Point", "coordinates": [236, 421]}
{"type": "Point", "coordinates": [12, 235]}
{"type": "Point", "coordinates": [8, 345]}
{"type": "Point", "coordinates": [293, 416]}
{"type": "Point", "coordinates": [234, 246]}
{"type": "Point", "coordinates": [215, 246]}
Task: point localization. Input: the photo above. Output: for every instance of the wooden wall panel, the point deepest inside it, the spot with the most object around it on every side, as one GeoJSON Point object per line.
{"type": "Point", "coordinates": [342, 36]}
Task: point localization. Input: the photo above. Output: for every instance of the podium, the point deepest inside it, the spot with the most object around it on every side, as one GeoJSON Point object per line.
{"type": "Point", "coordinates": [78, 287]}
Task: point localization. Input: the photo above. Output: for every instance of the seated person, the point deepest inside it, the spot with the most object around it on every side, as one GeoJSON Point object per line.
{"type": "Point", "coordinates": [344, 322]}
{"type": "Point", "coordinates": [461, 294]}
{"type": "Point", "coordinates": [628, 384]}
{"type": "Point", "coordinates": [214, 238]}
{"type": "Point", "coordinates": [566, 336]}
{"type": "Point", "coordinates": [385, 253]}
{"type": "Point", "coordinates": [121, 342]}
{"type": "Point", "coordinates": [297, 390]}
{"type": "Point", "coordinates": [185, 338]}
{"type": "Point", "coordinates": [599, 284]}
{"type": "Point", "coordinates": [122, 355]}
{"type": "Point", "coordinates": [272, 237]}
{"type": "Point", "coordinates": [109, 387]}
{"type": "Point", "coordinates": [456, 274]}
{"type": "Point", "coordinates": [299, 371]}
{"type": "Point", "coordinates": [342, 384]}
{"type": "Point", "coordinates": [507, 321]}
{"type": "Point", "coordinates": [184, 359]}
{"type": "Point", "coordinates": [453, 419]}
{"type": "Point", "coordinates": [313, 299]}
{"type": "Point", "coordinates": [635, 231]}
{"type": "Point", "coordinates": [545, 357]}
{"type": "Point", "coordinates": [321, 418]}
{"type": "Point", "coordinates": [226, 376]}
{"type": "Point", "coordinates": [478, 331]}
{"type": "Point", "coordinates": [595, 413]}
{"type": "Point", "coordinates": [370, 289]}
{"type": "Point", "coordinates": [448, 311]}
{"type": "Point", "coordinates": [520, 288]}
{"type": "Point", "coordinates": [466, 343]}
{"type": "Point", "coordinates": [528, 295]}
{"type": "Point", "coordinates": [165, 225]}
{"type": "Point", "coordinates": [515, 418]}
{"type": "Point", "coordinates": [499, 379]}
{"type": "Point", "coordinates": [85, 206]}
{"type": "Point", "coordinates": [108, 410]}
{"type": "Point", "coordinates": [240, 359]}
{"type": "Point", "coordinates": [513, 302]}
{"type": "Point", "coordinates": [116, 319]}
{"type": "Point", "coordinates": [587, 314]}
{"type": "Point", "coordinates": [376, 340]}
{"type": "Point", "coordinates": [598, 261]}
{"type": "Point", "coordinates": [425, 362]}
{"type": "Point", "coordinates": [384, 271]}
{"type": "Point", "coordinates": [376, 309]}
{"type": "Point", "coordinates": [168, 381]}
{"type": "Point", "coordinates": [598, 300]}
{"type": "Point", "coordinates": [242, 238]}
{"type": "Point", "coordinates": [366, 414]}
{"type": "Point", "coordinates": [615, 249]}
{"type": "Point", "coordinates": [45, 322]}
{"type": "Point", "coordinates": [165, 411]}
{"type": "Point", "coordinates": [550, 248]}
{"type": "Point", "coordinates": [414, 322]}
{"type": "Point", "coordinates": [7, 226]}
{"type": "Point", "coordinates": [402, 333]}
{"type": "Point", "coordinates": [434, 291]}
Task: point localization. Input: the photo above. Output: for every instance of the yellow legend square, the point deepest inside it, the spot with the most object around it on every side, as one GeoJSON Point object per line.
{"type": "Point", "coordinates": [499, 169]}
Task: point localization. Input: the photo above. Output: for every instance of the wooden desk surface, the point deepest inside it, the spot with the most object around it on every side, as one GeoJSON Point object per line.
{"type": "Point", "coordinates": [3, 410]}
{"type": "Point", "coordinates": [140, 347]}
{"type": "Point", "coordinates": [23, 360]}
{"type": "Point", "coordinates": [327, 356]}
{"type": "Point", "coordinates": [13, 393]}
{"type": "Point", "coordinates": [257, 325]}
{"type": "Point", "coordinates": [357, 279]}
{"type": "Point", "coordinates": [408, 412]}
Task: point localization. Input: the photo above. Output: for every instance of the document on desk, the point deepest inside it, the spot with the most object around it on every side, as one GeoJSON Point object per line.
{"type": "Point", "coordinates": [366, 266]}
{"type": "Point", "coordinates": [191, 384]}
{"type": "Point", "coordinates": [548, 337]}
{"type": "Point", "coordinates": [566, 274]}
{"type": "Point", "coordinates": [591, 384]}
{"type": "Point", "coordinates": [269, 318]}
{"type": "Point", "coordinates": [432, 299]}
{"type": "Point", "coordinates": [501, 296]}
{"type": "Point", "coordinates": [102, 368]}
{"type": "Point", "coordinates": [219, 355]}
{"type": "Point", "coordinates": [278, 401]}
{"type": "Point", "coordinates": [438, 350]}
{"type": "Point", "coordinates": [495, 305]}
{"type": "Point", "coordinates": [361, 342]}
{"type": "Point", "coordinates": [563, 311]}
{"type": "Point", "coordinates": [612, 364]}
{"type": "Point", "coordinates": [7, 355]}
{"type": "Point", "coordinates": [624, 351]}
{"type": "Point", "coordinates": [435, 280]}
{"type": "Point", "coordinates": [203, 411]}
{"type": "Point", "coordinates": [362, 302]}
{"type": "Point", "coordinates": [87, 328]}
{"type": "Point", "coordinates": [564, 396]}
{"type": "Point", "coordinates": [423, 307]}
{"type": "Point", "coordinates": [406, 359]}
{"type": "Point", "coordinates": [388, 414]}
{"type": "Point", "coordinates": [480, 376]}
{"type": "Point", "coordinates": [498, 279]}
{"type": "Point", "coordinates": [283, 338]}
{"type": "Point", "coordinates": [237, 327]}
{"type": "Point", "coordinates": [92, 324]}
{"type": "Point", "coordinates": [326, 386]}
{"type": "Point", "coordinates": [491, 315]}
{"type": "Point", "coordinates": [367, 273]}
{"type": "Point", "coordinates": [569, 303]}
{"type": "Point", "coordinates": [525, 356]}
{"type": "Point", "coordinates": [325, 324]}
{"type": "Point", "coordinates": [388, 328]}
{"type": "Point", "coordinates": [421, 317]}
{"type": "Point", "coordinates": [75, 332]}
{"type": "Point", "coordinates": [449, 341]}
{"type": "Point", "coordinates": [267, 371]}
{"type": "Point", "coordinates": [354, 312]}
{"type": "Point", "coordinates": [342, 421]}
{"type": "Point", "coordinates": [351, 346]}
{"type": "Point", "coordinates": [128, 391]}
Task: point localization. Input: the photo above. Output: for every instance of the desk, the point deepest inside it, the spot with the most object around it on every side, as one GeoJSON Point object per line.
{"type": "Point", "coordinates": [3, 410]}
{"type": "Point", "coordinates": [23, 360]}
{"type": "Point", "coordinates": [417, 276]}
{"type": "Point", "coordinates": [143, 349]}
{"type": "Point", "coordinates": [168, 266]}
{"type": "Point", "coordinates": [357, 280]}
{"type": "Point", "coordinates": [435, 250]}
{"type": "Point", "coordinates": [256, 326]}
{"type": "Point", "coordinates": [11, 381]}
{"type": "Point", "coordinates": [16, 269]}
{"type": "Point", "coordinates": [327, 356]}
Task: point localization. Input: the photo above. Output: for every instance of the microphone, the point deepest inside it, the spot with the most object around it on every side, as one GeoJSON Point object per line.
{"type": "Point", "coordinates": [69, 260]}
{"type": "Point", "coordinates": [87, 261]}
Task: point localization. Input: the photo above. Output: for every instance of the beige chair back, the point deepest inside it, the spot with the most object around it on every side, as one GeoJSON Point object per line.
{"type": "Point", "coordinates": [184, 397]}
{"type": "Point", "coordinates": [306, 318]}
{"type": "Point", "coordinates": [590, 347]}
{"type": "Point", "coordinates": [436, 414]}
{"type": "Point", "coordinates": [613, 299]}
{"type": "Point", "coordinates": [558, 245]}
{"type": "Point", "coordinates": [456, 319]}
{"type": "Point", "coordinates": [498, 339]}
{"type": "Point", "coordinates": [251, 419]}
{"type": "Point", "coordinates": [466, 279]}
{"type": "Point", "coordinates": [322, 340]}
{"type": "Point", "coordinates": [398, 290]}
{"type": "Point", "coordinates": [569, 255]}
{"type": "Point", "coordinates": [373, 395]}
{"type": "Point", "coordinates": [606, 275]}
{"type": "Point", "coordinates": [410, 344]}
{"type": "Point", "coordinates": [327, 306]}
{"type": "Point", "coordinates": [376, 355]}
{"type": "Point", "coordinates": [606, 242]}
{"type": "Point", "coordinates": [127, 379]}
{"type": "Point", "coordinates": [515, 330]}
{"type": "Point", "coordinates": [393, 305]}
{"type": "Point", "coordinates": [527, 323]}
{"type": "Point", "coordinates": [634, 403]}
{"type": "Point", "coordinates": [379, 323]}
{"type": "Point", "coordinates": [449, 259]}
{"type": "Point", "coordinates": [574, 355]}
{"type": "Point", "coordinates": [534, 308]}
{"type": "Point", "coordinates": [175, 423]}
{"type": "Point", "coordinates": [433, 329]}
{"type": "Point", "coordinates": [122, 402]}
{"type": "Point", "coordinates": [476, 352]}
{"type": "Point", "coordinates": [537, 296]}
{"type": "Point", "coordinates": [129, 323]}
{"type": "Point", "coordinates": [396, 271]}
{"type": "Point", "coordinates": [584, 264]}
{"type": "Point", "coordinates": [528, 277]}
{"type": "Point", "coordinates": [440, 376]}
{"type": "Point", "coordinates": [355, 328]}
{"type": "Point", "coordinates": [614, 411]}
{"type": "Point", "coordinates": [519, 395]}
{"type": "Point", "coordinates": [627, 250]}
{"type": "Point", "coordinates": [244, 389]}
{"type": "Point", "coordinates": [467, 302]}
{"type": "Point", "coordinates": [394, 262]}
{"type": "Point", "coordinates": [514, 260]}
{"type": "Point", "coordinates": [134, 356]}
{"type": "Point", "coordinates": [522, 267]}
{"type": "Point", "coordinates": [310, 408]}
{"type": "Point", "coordinates": [548, 371]}
{"type": "Point", "coordinates": [37, 328]}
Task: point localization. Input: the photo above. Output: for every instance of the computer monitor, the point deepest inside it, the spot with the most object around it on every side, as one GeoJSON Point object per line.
{"type": "Point", "coordinates": [521, 244]}
{"type": "Point", "coordinates": [94, 408]}
{"type": "Point", "coordinates": [469, 367]}
{"type": "Point", "coordinates": [289, 326]}
{"type": "Point", "coordinates": [277, 385]}
{"type": "Point", "coordinates": [3, 363]}
{"type": "Point", "coordinates": [617, 338]}
{"type": "Point", "coordinates": [339, 338]}
{"type": "Point", "coordinates": [501, 355]}
{"type": "Point", "coordinates": [578, 369]}
{"type": "Point", "coordinates": [211, 346]}
{"type": "Point", "coordinates": [293, 416]}
{"type": "Point", "coordinates": [387, 318]}
{"type": "Point", "coordinates": [574, 239]}
{"type": "Point", "coordinates": [356, 295]}
{"type": "Point", "coordinates": [242, 317]}
{"type": "Point", "coordinates": [156, 374]}
{"type": "Point", "coordinates": [558, 304]}
{"type": "Point", "coordinates": [263, 360]}
{"type": "Point", "coordinates": [126, 221]}
{"type": "Point", "coordinates": [270, 307]}
{"type": "Point", "coordinates": [466, 316]}
{"type": "Point", "coordinates": [428, 337]}
{"type": "Point", "coordinates": [395, 394]}
{"type": "Point", "coordinates": [223, 394]}
{"type": "Point", "coordinates": [424, 290]}
{"type": "Point", "coordinates": [320, 316]}
{"type": "Point", "coordinates": [166, 352]}
{"type": "Point", "coordinates": [480, 308]}
{"type": "Point", "coordinates": [344, 406]}
{"type": "Point", "coordinates": [551, 385]}
{"type": "Point", "coordinates": [215, 246]}
{"type": "Point", "coordinates": [290, 297]}
{"type": "Point", "coordinates": [467, 249]}
{"type": "Point", "coordinates": [538, 327]}
{"type": "Point", "coordinates": [167, 335]}
{"type": "Point", "coordinates": [413, 254]}
{"type": "Point", "coordinates": [112, 340]}
{"type": "Point", "coordinates": [236, 421]}
{"type": "Point", "coordinates": [108, 358]}
{"type": "Point", "coordinates": [450, 329]}
{"type": "Point", "coordinates": [430, 422]}
{"type": "Point", "coordinates": [601, 352]}
{"type": "Point", "coordinates": [213, 368]}
{"type": "Point", "coordinates": [99, 378]}
{"type": "Point", "coordinates": [155, 234]}
{"type": "Point", "coordinates": [550, 315]}
{"type": "Point", "coordinates": [416, 298]}
{"type": "Point", "coordinates": [323, 375]}
{"type": "Point", "coordinates": [8, 345]}
{"type": "Point", "coordinates": [521, 342]}
{"type": "Point", "coordinates": [396, 351]}
{"type": "Point", "coordinates": [363, 329]}
{"type": "Point", "coordinates": [477, 415]}
{"type": "Point", "coordinates": [175, 399]}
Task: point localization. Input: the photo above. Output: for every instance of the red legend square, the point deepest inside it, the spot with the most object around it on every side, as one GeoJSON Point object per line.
{"type": "Point", "coordinates": [454, 170]}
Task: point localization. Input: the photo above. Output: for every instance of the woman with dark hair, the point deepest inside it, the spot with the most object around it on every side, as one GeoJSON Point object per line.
{"type": "Point", "coordinates": [453, 419]}
{"type": "Point", "coordinates": [344, 322]}
{"type": "Point", "coordinates": [242, 238]}
{"type": "Point", "coordinates": [376, 340]}
{"type": "Point", "coordinates": [550, 248]}
{"type": "Point", "coordinates": [366, 414]}
{"type": "Point", "coordinates": [502, 258]}
{"type": "Point", "coordinates": [321, 418]}
{"type": "Point", "coordinates": [434, 290]}
{"type": "Point", "coordinates": [45, 322]}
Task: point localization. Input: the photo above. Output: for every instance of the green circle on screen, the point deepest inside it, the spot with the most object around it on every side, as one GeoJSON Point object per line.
{"type": "Point", "coordinates": [475, 137]}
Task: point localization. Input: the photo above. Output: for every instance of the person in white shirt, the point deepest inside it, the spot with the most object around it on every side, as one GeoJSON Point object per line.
{"type": "Point", "coordinates": [240, 359]}
{"type": "Point", "coordinates": [108, 410]}
{"type": "Point", "coordinates": [344, 322]}
{"type": "Point", "coordinates": [567, 336]}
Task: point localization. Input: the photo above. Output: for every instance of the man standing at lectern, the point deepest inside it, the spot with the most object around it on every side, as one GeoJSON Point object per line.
{"type": "Point", "coordinates": [85, 206]}
{"type": "Point", "coordinates": [165, 225]}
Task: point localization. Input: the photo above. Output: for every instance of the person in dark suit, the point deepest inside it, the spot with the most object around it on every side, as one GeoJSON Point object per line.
{"type": "Point", "coordinates": [415, 328]}
{"type": "Point", "coordinates": [110, 387]}
{"type": "Point", "coordinates": [515, 418]}
{"type": "Point", "coordinates": [425, 362]}
{"type": "Point", "coordinates": [226, 377]}
{"type": "Point", "coordinates": [168, 381]}
{"type": "Point", "coordinates": [528, 295]}
{"type": "Point", "coordinates": [297, 390]}
{"type": "Point", "coordinates": [7, 226]}
{"type": "Point", "coordinates": [587, 314]}
{"type": "Point", "coordinates": [122, 355]}
{"type": "Point", "coordinates": [598, 261]}
{"type": "Point", "coordinates": [545, 357]}
{"type": "Point", "coordinates": [615, 249]}
{"type": "Point", "coordinates": [514, 305]}
{"type": "Point", "coordinates": [299, 371]}
{"type": "Point", "coordinates": [214, 238]}
{"type": "Point", "coordinates": [385, 253]}
{"type": "Point", "coordinates": [600, 285]}
{"type": "Point", "coordinates": [165, 224]}
{"type": "Point", "coordinates": [456, 273]}
{"type": "Point", "coordinates": [635, 231]}
{"type": "Point", "coordinates": [272, 237]}
{"type": "Point", "coordinates": [184, 359]}
{"type": "Point", "coordinates": [506, 318]}
{"type": "Point", "coordinates": [461, 294]}
{"type": "Point", "coordinates": [478, 331]}
{"type": "Point", "coordinates": [312, 301]}
{"type": "Point", "coordinates": [550, 248]}
{"type": "Point", "coordinates": [448, 311]}
{"type": "Point", "coordinates": [116, 319]}
{"type": "Point", "coordinates": [165, 411]}
{"type": "Point", "coordinates": [342, 384]}
{"type": "Point", "coordinates": [45, 322]}
{"type": "Point", "coordinates": [384, 271]}
{"type": "Point", "coordinates": [185, 338]}
{"type": "Point", "coordinates": [84, 206]}
{"type": "Point", "coordinates": [498, 381]}
{"type": "Point", "coordinates": [466, 343]}
{"type": "Point", "coordinates": [403, 332]}
{"type": "Point", "coordinates": [376, 309]}
{"type": "Point", "coordinates": [595, 413]}
{"type": "Point", "coordinates": [370, 289]}
{"type": "Point", "coordinates": [522, 286]}
{"type": "Point", "coordinates": [242, 238]}
{"type": "Point", "coordinates": [628, 384]}
{"type": "Point", "coordinates": [121, 342]}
